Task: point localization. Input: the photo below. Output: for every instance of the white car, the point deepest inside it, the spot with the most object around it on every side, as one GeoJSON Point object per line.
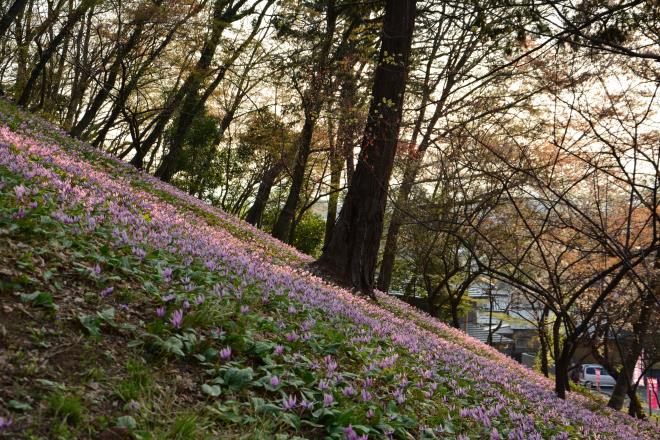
{"type": "Point", "coordinates": [588, 376]}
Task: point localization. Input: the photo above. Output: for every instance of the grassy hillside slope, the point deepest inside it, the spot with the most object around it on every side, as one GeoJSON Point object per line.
{"type": "Point", "coordinates": [131, 310]}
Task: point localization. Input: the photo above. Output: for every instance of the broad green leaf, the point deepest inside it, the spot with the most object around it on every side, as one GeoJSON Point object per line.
{"type": "Point", "coordinates": [211, 390]}
{"type": "Point", "coordinates": [18, 406]}
{"type": "Point", "coordinates": [126, 422]}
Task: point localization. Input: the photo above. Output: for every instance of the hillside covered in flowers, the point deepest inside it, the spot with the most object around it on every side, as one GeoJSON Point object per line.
{"type": "Point", "coordinates": [129, 309]}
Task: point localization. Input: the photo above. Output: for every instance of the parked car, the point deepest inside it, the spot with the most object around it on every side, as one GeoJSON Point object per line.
{"type": "Point", "coordinates": [588, 376]}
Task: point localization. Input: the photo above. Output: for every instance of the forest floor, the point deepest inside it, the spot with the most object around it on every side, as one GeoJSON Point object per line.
{"type": "Point", "coordinates": [129, 310]}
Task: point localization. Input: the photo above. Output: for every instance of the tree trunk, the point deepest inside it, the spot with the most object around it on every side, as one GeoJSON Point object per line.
{"type": "Point", "coordinates": [126, 90]}
{"type": "Point", "coordinates": [545, 370]}
{"type": "Point", "coordinates": [412, 167]}
{"type": "Point", "coordinates": [562, 363]}
{"type": "Point", "coordinates": [122, 51]}
{"type": "Point", "coordinates": [304, 145]}
{"type": "Point", "coordinates": [635, 408]}
{"type": "Point", "coordinates": [81, 72]}
{"type": "Point", "coordinates": [14, 11]}
{"type": "Point", "coordinates": [562, 355]}
{"type": "Point", "coordinates": [45, 57]}
{"type": "Point", "coordinates": [347, 130]}
{"type": "Point", "coordinates": [455, 321]}
{"type": "Point", "coordinates": [351, 254]}
{"type": "Point", "coordinates": [256, 211]}
{"type": "Point", "coordinates": [186, 96]}
{"type": "Point", "coordinates": [396, 221]}
{"type": "Point", "coordinates": [624, 378]}
{"type": "Point", "coordinates": [333, 198]}
{"type": "Point", "coordinates": [640, 329]}
{"type": "Point", "coordinates": [193, 104]}
{"type": "Point", "coordinates": [51, 94]}
{"type": "Point", "coordinates": [313, 99]}
{"type": "Point", "coordinates": [409, 290]}
{"type": "Point", "coordinates": [22, 35]}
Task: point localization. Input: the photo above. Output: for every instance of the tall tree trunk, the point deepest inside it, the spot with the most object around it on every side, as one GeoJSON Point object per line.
{"type": "Point", "coordinates": [635, 408]}
{"type": "Point", "coordinates": [414, 163]}
{"type": "Point", "coordinates": [282, 226]}
{"type": "Point", "coordinates": [54, 86]}
{"type": "Point", "coordinates": [336, 162]}
{"type": "Point", "coordinates": [123, 50]}
{"type": "Point", "coordinates": [411, 169]}
{"type": "Point", "coordinates": [14, 11]}
{"type": "Point", "coordinates": [313, 99]}
{"type": "Point", "coordinates": [47, 54]}
{"type": "Point", "coordinates": [640, 329]}
{"type": "Point", "coordinates": [545, 370]}
{"type": "Point", "coordinates": [455, 321]}
{"type": "Point", "coordinates": [125, 91]}
{"type": "Point", "coordinates": [193, 104]}
{"type": "Point", "coordinates": [351, 254]}
{"type": "Point", "coordinates": [22, 36]}
{"type": "Point", "coordinates": [347, 129]}
{"type": "Point", "coordinates": [563, 354]}
{"type": "Point", "coordinates": [256, 211]}
{"type": "Point", "coordinates": [185, 95]}
{"type": "Point", "coordinates": [396, 221]}
{"type": "Point", "coordinates": [80, 72]}
{"type": "Point", "coordinates": [623, 380]}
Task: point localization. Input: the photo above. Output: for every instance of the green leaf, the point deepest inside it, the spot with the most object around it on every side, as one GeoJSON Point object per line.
{"type": "Point", "coordinates": [310, 423]}
{"type": "Point", "coordinates": [18, 406]}
{"type": "Point", "coordinates": [262, 347]}
{"type": "Point", "coordinates": [108, 315]}
{"type": "Point", "coordinates": [292, 420]}
{"type": "Point", "coordinates": [238, 378]}
{"type": "Point", "coordinates": [126, 422]}
{"type": "Point", "coordinates": [174, 345]}
{"type": "Point", "coordinates": [263, 407]}
{"type": "Point", "coordinates": [91, 324]}
{"type": "Point", "coordinates": [210, 354]}
{"type": "Point", "coordinates": [38, 298]}
{"type": "Point", "coordinates": [211, 390]}
{"type": "Point", "coordinates": [128, 327]}
{"type": "Point", "coordinates": [361, 429]}
{"type": "Point", "coordinates": [51, 384]}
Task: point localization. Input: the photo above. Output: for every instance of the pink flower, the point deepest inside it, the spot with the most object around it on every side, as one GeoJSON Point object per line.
{"type": "Point", "coordinates": [225, 353]}
{"type": "Point", "coordinates": [348, 391]}
{"type": "Point", "coordinates": [19, 191]}
{"type": "Point", "coordinates": [160, 312]}
{"type": "Point", "coordinates": [177, 318]}
{"type": "Point", "coordinates": [366, 395]}
{"type": "Point", "coordinates": [5, 423]}
{"type": "Point", "coordinates": [167, 274]}
{"type": "Point", "coordinates": [328, 399]}
{"type": "Point", "coordinates": [289, 402]}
